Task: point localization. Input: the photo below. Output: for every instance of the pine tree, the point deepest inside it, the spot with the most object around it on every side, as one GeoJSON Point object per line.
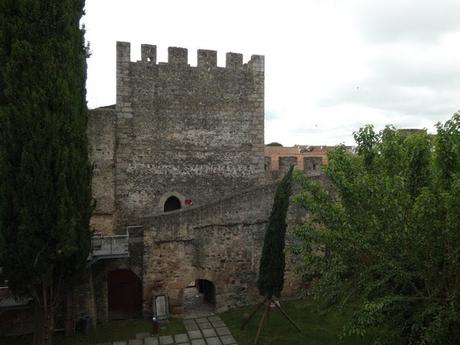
{"type": "Point", "coordinates": [272, 262]}
{"type": "Point", "coordinates": [45, 194]}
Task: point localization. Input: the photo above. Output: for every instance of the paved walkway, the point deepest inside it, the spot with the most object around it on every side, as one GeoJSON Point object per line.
{"type": "Point", "coordinates": [194, 305]}
{"type": "Point", "coordinates": [209, 330]}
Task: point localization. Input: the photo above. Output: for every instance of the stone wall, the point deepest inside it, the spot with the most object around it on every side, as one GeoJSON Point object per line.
{"type": "Point", "coordinates": [193, 131]}
{"type": "Point", "coordinates": [101, 137]}
{"type": "Point", "coordinates": [313, 166]}
{"type": "Point", "coordinates": [221, 243]}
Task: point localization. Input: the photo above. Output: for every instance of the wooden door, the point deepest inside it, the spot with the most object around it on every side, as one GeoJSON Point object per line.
{"type": "Point", "coordinates": [124, 295]}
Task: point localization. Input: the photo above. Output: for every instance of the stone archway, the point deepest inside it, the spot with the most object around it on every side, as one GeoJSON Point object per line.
{"type": "Point", "coordinates": [170, 201]}
{"type": "Point", "coordinates": [124, 295]}
{"type": "Point", "coordinates": [199, 298]}
{"type": "Point", "coordinates": [171, 204]}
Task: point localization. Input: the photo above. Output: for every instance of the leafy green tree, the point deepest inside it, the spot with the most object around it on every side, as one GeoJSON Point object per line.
{"type": "Point", "coordinates": [272, 263]}
{"type": "Point", "coordinates": [45, 195]}
{"type": "Point", "coordinates": [387, 235]}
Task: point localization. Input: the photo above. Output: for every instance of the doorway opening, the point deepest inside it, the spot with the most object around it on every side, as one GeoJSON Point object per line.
{"type": "Point", "coordinates": [199, 298]}
{"type": "Point", "coordinates": [171, 204]}
{"type": "Point", "coordinates": [124, 295]}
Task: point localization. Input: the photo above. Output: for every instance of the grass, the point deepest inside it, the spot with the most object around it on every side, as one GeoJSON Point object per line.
{"type": "Point", "coordinates": [317, 328]}
{"type": "Point", "coordinates": [105, 332]}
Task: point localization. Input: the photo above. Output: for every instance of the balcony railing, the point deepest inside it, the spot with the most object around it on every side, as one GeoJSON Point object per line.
{"type": "Point", "coordinates": [109, 246]}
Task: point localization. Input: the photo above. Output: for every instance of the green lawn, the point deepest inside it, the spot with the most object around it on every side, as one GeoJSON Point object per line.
{"type": "Point", "coordinates": [105, 332]}
{"type": "Point", "coordinates": [316, 329]}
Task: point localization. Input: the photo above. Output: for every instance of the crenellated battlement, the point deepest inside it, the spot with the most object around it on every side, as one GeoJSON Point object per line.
{"type": "Point", "coordinates": [179, 56]}
{"type": "Point", "coordinates": [180, 126]}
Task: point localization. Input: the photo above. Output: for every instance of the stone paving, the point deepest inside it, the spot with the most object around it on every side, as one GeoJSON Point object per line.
{"type": "Point", "coordinates": [209, 330]}
{"type": "Point", "coordinates": [194, 304]}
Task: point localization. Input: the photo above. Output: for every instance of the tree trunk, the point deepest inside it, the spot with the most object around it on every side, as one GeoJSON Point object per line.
{"type": "Point", "coordinates": [44, 319]}
{"type": "Point", "coordinates": [69, 327]}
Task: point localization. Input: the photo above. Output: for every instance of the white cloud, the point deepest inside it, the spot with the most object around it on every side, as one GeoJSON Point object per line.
{"type": "Point", "coordinates": [406, 20]}
{"type": "Point", "coordinates": [331, 65]}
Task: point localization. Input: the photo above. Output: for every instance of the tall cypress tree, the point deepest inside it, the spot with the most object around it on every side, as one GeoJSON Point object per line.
{"type": "Point", "coordinates": [45, 194]}
{"type": "Point", "coordinates": [272, 262]}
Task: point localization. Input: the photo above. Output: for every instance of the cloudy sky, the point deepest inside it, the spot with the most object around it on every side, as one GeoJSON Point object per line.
{"type": "Point", "coordinates": [331, 65]}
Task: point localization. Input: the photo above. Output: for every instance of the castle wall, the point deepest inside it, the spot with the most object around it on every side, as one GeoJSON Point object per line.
{"type": "Point", "coordinates": [221, 243]}
{"type": "Point", "coordinates": [101, 137]}
{"type": "Point", "coordinates": [194, 131]}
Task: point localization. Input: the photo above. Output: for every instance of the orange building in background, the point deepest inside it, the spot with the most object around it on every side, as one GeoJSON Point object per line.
{"type": "Point", "coordinates": [299, 153]}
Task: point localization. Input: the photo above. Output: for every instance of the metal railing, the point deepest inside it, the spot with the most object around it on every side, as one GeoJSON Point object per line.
{"type": "Point", "coordinates": [110, 246]}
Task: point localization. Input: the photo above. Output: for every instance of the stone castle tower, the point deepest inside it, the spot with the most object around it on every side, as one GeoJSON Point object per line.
{"type": "Point", "coordinates": [180, 169]}
{"type": "Point", "coordinates": [178, 135]}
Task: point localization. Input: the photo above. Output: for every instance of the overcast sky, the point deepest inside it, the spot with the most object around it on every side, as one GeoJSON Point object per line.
{"type": "Point", "coordinates": [331, 66]}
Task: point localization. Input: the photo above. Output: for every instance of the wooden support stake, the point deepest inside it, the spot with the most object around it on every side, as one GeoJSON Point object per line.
{"type": "Point", "coordinates": [261, 323]}
{"type": "Point", "coordinates": [269, 303]}
{"type": "Point", "coordinates": [252, 314]}
{"type": "Point", "coordinates": [286, 316]}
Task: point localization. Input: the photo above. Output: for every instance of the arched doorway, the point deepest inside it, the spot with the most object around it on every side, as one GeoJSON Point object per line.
{"type": "Point", "coordinates": [124, 295]}
{"type": "Point", "coordinates": [171, 204]}
{"type": "Point", "coordinates": [199, 298]}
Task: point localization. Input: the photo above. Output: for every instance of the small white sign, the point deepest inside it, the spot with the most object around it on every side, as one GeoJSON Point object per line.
{"type": "Point", "coordinates": [160, 307]}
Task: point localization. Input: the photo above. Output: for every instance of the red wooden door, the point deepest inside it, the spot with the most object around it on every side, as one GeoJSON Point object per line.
{"type": "Point", "coordinates": [124, 295]}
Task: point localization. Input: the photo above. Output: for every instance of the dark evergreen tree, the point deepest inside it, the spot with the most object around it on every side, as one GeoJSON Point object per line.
{"type": "Point", "coordinates": [272, 262]}
{"type": "Point", "coordinates": [45, 195]}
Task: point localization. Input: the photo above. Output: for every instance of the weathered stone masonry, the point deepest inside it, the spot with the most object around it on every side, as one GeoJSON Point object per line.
{"type": "Point", "coordinates": [221, 243]}
{"type": "Point", "coordinates": [196, 133]}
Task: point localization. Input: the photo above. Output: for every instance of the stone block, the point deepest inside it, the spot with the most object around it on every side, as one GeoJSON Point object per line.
{"type": "Point", "coordinates": [214, 318]}
{"type": "Point", "coordinates": [181, 338]}
{"type": "Point", "coordinates": [135, 342]}
{"type": "Point", "coordinates": [177, 56]}
{"type": "Point", "coordinates": [227, 339]}
{"type": "Point", "coordinates": [195, 334]}
{"type": "Point", "coordinates": [222, 331]}
{"type": "Point", "coordinates": [233, 60]}
{"type": "Point", "coordinates": [218, 323]}
{"type": "Point", "coordinates": [209, 332]}
{"type": "Point", "coordinates": [166, 340]}
{"type": "Point", "coordinates": [213, 341]}
{"type": "Point", "coordinates": [191, 327]}
{"type": "Point", "coordinates": [151, 341]}
{"type": "Point", "coordinates": [204, 325]}
{"type": "Point", "coordinates": [207, 58]}
{"type": "Point", "coordinates": [149, 53]}
{"type": "Point", "coordinates": [198, 342]}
